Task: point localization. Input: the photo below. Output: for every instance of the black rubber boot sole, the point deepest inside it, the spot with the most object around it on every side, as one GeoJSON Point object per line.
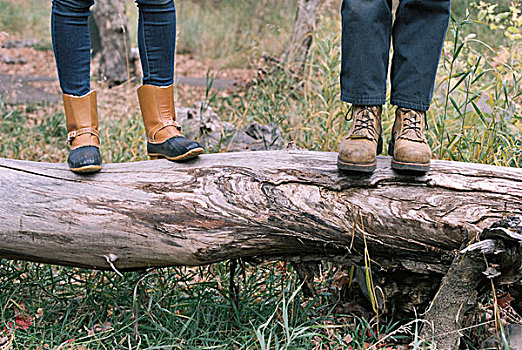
{"type": "Point", "coordinates": [85, 160]}
{"type": "Point", "coordinates": [176, 149]}
{"type": "Point", "coordinates": [185, 156]}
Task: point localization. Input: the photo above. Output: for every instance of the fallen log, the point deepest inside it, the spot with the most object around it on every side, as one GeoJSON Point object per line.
{"type": "Point", "coordinates": [292, 205]}
{"type": "Point", "coordinates": [222, 206]}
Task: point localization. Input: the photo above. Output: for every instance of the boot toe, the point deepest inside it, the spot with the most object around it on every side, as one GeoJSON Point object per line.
{"type": "Point", "coordinates": [85, 159]}
{"type": "Point", "coordinates": [412, 154]}
{"type": "Point", "coordinates": [411, 158]}
{"type": "Point", "coordinates": [175, 149]}
{"type": "Point", "coordinates": [352, 151]}
{"type": "Point", "coordinates": [357, 155]}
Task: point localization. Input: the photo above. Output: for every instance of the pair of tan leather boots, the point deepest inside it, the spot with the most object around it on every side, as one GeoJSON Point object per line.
{"type": "Point", "coordinates": [408, 145]}
{"type": "Point", "coordinates": [164, 137]}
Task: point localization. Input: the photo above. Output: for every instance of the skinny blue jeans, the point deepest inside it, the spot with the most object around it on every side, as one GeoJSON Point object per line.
{"type": "Point", "coordinates": [72, 46]}
{"type": "Point", "coordinates": [418, 34]}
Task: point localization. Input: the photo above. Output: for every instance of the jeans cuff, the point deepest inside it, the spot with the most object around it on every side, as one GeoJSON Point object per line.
{"type": "Point", "coordinates": [419, 106]}
{"type": "Point", "coordinates": [363, 100]}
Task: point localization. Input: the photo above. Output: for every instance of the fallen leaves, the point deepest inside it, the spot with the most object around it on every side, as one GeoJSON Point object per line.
{"type": "Point", "coordinates": [22, 319]}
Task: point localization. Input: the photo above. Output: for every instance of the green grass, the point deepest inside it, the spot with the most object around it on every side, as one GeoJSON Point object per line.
{"type": "Point", "coordinates": [175, 308]}
{"type": "Point", "coordinates": [235, 33]}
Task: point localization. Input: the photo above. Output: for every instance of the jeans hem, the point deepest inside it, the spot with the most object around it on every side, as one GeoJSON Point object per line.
{"type": "Point", "coordinates": [159, 84]}
{"type": "Point", "coordinates": [363, 100]}
{"type": "Point", "coordinates": [419, 106]}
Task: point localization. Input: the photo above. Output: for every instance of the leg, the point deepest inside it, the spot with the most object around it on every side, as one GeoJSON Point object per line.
{"type": "Point", "coordinates": [71, 44]}
{"type": "Point", "coordinates": [366, 34]}
{"type": "Point", "coordinates": [418, 35]}
{"type": "Point", "coordinates": [156, 41]}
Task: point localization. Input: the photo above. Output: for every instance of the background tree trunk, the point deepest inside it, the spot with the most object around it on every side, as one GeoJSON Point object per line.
{"type": "Point", "coordinates": [298, 46]}
{"type": "Point", "coordinates": [110, 40]}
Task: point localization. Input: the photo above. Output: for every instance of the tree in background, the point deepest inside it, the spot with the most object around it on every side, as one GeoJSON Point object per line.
{"type": "Point", "coordinates": [110, 40]}
{"type": "Point", "coordinates": [305, 23]}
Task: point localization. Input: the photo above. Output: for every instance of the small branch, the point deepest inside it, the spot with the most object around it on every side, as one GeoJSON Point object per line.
{"type": "Point", "coordinates": [111, 258]}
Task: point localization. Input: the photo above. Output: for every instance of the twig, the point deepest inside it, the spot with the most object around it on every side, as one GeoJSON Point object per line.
{"type": "Point", "coordinates": [111, 258]}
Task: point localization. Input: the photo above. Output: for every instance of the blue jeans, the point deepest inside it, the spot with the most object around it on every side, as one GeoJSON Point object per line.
{"type": "Point", "coordinates": [418, 34]}
{"type": "Point", "coordinates": [72, 46]}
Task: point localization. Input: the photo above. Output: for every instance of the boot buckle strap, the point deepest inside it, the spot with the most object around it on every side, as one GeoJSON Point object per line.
{"type": "Point", "coordinates": [158, 127]}
{"type": "Point", "coordinates": [75, 133]}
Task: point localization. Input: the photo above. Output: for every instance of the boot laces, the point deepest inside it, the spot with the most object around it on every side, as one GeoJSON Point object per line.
{"type": "Point", "coordinates": [412, 121]}
{"type": "Point", "coordinates": [364, 121]}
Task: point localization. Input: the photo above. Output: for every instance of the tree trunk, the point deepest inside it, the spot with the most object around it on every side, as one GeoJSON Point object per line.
{"type": "Point", "coordinates": [305, 23]}
{"type": "Point", "coordinates": [292, 205]}
{"type": "Point", "coordinates": [111, 38]}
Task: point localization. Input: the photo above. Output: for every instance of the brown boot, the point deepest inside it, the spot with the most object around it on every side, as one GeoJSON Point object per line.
{"type": "Point", "coordinates": [408, 145]}
{"type": "Point", "coordinates": [81, 116]}
{"type": "Point", "coordinates": [359, 149]}
{"type": "Point", "coordinates": [164, 136]}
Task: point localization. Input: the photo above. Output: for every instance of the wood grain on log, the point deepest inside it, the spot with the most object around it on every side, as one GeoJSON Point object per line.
{"type": "Point", "coordinates": [262, 204]}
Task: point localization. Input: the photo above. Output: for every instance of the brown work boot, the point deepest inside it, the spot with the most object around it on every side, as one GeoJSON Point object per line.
{"type": "Point", "coordinates": [408, 145]}
{"type": "Point", "coordinates": [359, 149]}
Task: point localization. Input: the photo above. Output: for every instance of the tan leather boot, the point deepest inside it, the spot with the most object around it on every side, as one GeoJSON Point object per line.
{"type": "Point", "coordinates": [408, 145]}
{"type": "Point", "coordinates": [81, 116]}
{"type": "Point", "coordinates": [164, 137]}
{"type": "Point", "coordinates": [359, 149]}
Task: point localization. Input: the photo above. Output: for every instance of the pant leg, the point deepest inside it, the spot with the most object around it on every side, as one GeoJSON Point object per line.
{"type": "Point", "coordinates": [418, 36]}
{"type": "Point", "coordinates": [366, 33]}
{"type": "Point", "coordinates": [71, 44]}
{"type": "Point", "coordinates": [157, 40]}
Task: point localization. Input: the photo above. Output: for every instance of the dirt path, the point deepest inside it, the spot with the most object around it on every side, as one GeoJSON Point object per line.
{"type": "Point", "coordinates": [28, 75]}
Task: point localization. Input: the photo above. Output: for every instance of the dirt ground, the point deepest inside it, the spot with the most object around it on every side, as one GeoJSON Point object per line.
{"type": "Point", "coordinates": [30, 77]}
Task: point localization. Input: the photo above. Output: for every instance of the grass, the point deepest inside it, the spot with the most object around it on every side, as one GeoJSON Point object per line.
{"type": "Point", "coordinates": [475, 116]}
{"type": "Point", "coordinates": [43, 139]}
{"type": "Point", "coordinates": [175, 308]}
{"type": "Point", "coordinates": [28, 17]}
{"type": "Point", "coordinates": [234, 33]}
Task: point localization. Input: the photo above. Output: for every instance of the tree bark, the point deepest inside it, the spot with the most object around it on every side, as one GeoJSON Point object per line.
{"type": "Point", "coordinates": [292, 205]}
{"type": "Point", "coordinates": [297, 47]}
{"type": "Point", "coordinates": [111, 38]}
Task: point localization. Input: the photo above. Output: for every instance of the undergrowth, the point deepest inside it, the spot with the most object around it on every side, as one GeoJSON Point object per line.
{"type": "Point", "coordinates": [49, 307]}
